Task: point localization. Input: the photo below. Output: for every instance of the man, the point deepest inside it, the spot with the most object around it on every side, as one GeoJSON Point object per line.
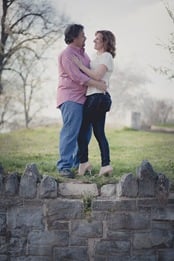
{"type": "Point", "coordinates": [71, 95]}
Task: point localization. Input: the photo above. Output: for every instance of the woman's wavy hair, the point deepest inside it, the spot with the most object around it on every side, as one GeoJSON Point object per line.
{"type": "Point", "coordinates": [72, 31]}
{"type": "Point", "coordinates": [109, 41]}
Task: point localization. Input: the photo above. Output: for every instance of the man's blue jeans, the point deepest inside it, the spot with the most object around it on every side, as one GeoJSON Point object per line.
{"type": "Point", "coordinates": [72, 113]}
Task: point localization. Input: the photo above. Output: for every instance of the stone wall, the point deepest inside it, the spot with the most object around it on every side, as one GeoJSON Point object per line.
{"type": "Point", "coordinates": [41, 220]}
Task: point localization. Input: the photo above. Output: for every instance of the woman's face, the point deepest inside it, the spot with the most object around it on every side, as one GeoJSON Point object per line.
{"type": "Point", "coordinates": [98, 42]}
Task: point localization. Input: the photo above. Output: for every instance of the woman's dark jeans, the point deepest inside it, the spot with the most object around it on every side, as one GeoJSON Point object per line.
{"type": "Point", "coordinates": [95, 116]}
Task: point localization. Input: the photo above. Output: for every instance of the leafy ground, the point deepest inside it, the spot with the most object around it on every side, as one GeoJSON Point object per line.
{"type": "Point", "coordinates": [128, 148]}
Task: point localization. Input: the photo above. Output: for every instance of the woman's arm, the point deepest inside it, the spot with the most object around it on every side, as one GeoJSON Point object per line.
{"type": "Point", "coordinates": [94, 74]}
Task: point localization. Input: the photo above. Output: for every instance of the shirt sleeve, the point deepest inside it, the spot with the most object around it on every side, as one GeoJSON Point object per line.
{"type": "Point", "coordinates": [72, 70]}
{"type": "Point", "coordinates": [107, 60]}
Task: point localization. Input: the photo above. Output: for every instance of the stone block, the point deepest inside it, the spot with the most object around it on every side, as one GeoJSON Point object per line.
{"type": "Point", "coordinates": [127, 186]}
{"type": "Point", "coordinates": [3, 244]}
{"type": "Point", "coordinates": [58, 225]}
{"type": "Point", "coordinates": [118, 258]}
{"type": "Point", "coordinates": [107, 248]}
{"type": "Point", "coordinates": [127, 204]}
{"type": "Point", "coordinates": [142, 240]}
{"type": "Point", "coordinates": [108, 190]}
{"type": "Point", "coordinates": [1, 184]}
{"type": "Point", "coordinates": [162, 224]}
{"type": "Point", "coordinates": [148, 203]}
{"type": "Point", "coordinates": [48, 187]}
{"type": "Point", "coordinates": [130, 221]}
{"type": "Point", "coordinates": [25, 217]}
{"type": "Point", "coordinates": [146, 180]}
{"type": "Point", "coordinates": [166, 255]}
{"type": "Point", "coordinates": [162, 189]}
{"type": "Point", "coordinates": [144, 257]}
{"type": "Point", "coordinates": [12, 184]}
{"type": "Point", "coordinates": [102, 205]}
{"type": "Point", "coordinates": [100, 215]}
{"type": "Point", "coordinates": [143, 252]}
{"type": "Point", "coordinates": [71, 253]}
{"type": "Point", "coordinates": [119, 235]}
{"type": "Point", "coordinates": [113, 205]}
{"type": "Point", "coordinates": [64, 209]}
{"type": "Point", "coordinates": [40, 243]}
{"type": "Point", "coordinates": [29, 180]}
{"type": "Point", "coordinates": [30, 258]}
{"type": "Point", "coordinates": [1, 169]}
{"type": "Point", "coordinates": [161, 213]}
{"type": "Point", "coordinates": [17, 245]}
{"type": "Point", "coordinates": [78, 190]}
{"type": "Point", "coordinates": [85, 228]}
{"type": "Point", "coordinates": [78, 241]}
{"type": "Point", "coordinates": [3, 224]}
{"type": "Point", "coordinates": [171, 198]}
{"type": "Point", "coordinates": [101, 258]}
{"type": "Point", "coordinates": [160, 238]}
{"type": "Point", "coordinates": [4, 258]}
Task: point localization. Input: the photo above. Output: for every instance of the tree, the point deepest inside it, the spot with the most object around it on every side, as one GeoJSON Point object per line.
{"type": "Point", "coordinates": [4, 104]}
{"type": "Point", "coordinates": [169, 47]}
{"type": "Point", "coordinates": [8, 109]}
{"type": "Point", "coordinates": [28, 85]}
{"type": "Point", "coordinates": [157, 111]}
{"type": "Point", "coordinates": [24, 24]}
{"type": "Point", "coordinates": [28, 30]}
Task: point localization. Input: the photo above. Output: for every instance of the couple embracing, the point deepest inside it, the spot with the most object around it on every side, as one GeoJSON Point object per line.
{"type": "Point", "coordinates": [83, 99]}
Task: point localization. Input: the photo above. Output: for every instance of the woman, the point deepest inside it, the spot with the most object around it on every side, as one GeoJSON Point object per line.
{"type": "Point", "coordinates": [97, 102]}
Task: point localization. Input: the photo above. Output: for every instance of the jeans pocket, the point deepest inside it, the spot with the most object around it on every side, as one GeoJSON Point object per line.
{"type": "Point", "coordinates": [107, 102]}
{"type": "Point", "coordinates": [98, 102]}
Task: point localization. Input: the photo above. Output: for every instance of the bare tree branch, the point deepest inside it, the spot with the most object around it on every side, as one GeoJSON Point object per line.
{"type": "Point", "coordinates": [23, 24]}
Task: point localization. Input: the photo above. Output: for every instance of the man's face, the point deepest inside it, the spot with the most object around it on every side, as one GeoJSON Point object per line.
{"type": "Point", "coordinates": [80, 40]}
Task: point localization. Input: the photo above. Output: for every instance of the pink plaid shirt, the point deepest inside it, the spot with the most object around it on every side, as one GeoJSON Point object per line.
{"type": "Point", "coordinates": [72, 82]}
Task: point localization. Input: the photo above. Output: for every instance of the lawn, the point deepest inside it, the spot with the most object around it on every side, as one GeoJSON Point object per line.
{"type": "Point", "coordinates": [127, 147]}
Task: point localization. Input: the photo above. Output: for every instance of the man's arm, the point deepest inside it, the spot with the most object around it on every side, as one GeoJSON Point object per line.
{"type": "Point", "coordinates": [101, 85]}
{"type": "Point", "coordinates": [72, 70]}
{"type": "Point", "coordinates": [77, 75]}
{"type": "Point", "coordinates": [96, 74]}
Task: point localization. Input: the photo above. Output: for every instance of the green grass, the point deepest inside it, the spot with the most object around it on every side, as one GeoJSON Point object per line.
{"type": "Point", "coordinates": [127, 148]}
{"type": "Point", "coordinates": [166, 125]}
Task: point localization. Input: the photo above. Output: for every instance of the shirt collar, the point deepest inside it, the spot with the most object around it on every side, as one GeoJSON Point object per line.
{"type": "Point", "coordinates": [78, 49]}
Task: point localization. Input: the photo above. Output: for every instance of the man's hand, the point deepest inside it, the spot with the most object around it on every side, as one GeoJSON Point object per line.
{"type": "Point", "coordinates": [76, 60]}
{"type": "Point", "coordinates": [103, 86]}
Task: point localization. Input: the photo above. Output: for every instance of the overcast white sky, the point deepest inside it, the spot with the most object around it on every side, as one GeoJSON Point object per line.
{"type": "Point", "coordinates": [139, 25]}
